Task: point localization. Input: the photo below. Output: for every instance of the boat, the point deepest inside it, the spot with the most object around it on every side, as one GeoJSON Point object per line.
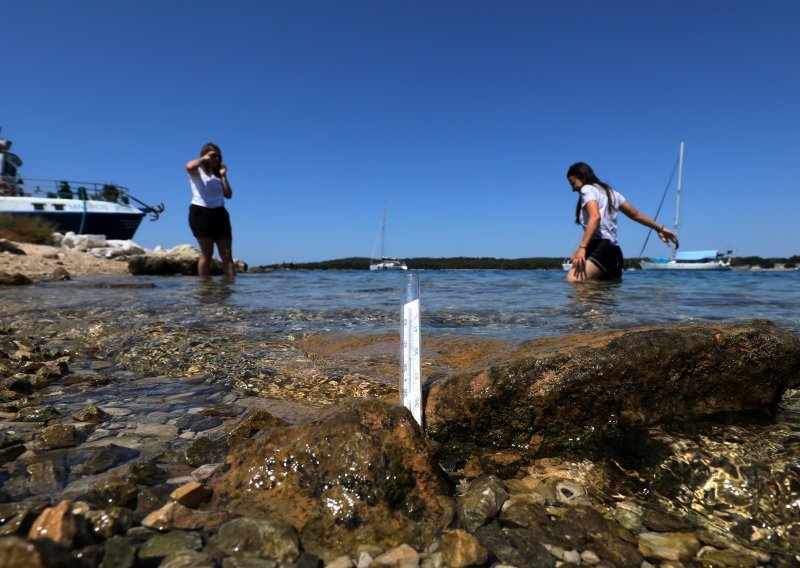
{"type": "Point", "coordinates": [91, 208]}
{"type": "Point", "coordinates": [688, 260]}
{"type": "Point", "coordinates": [691, 260]}
{"type": "Point", "coordinates": [385, 263]}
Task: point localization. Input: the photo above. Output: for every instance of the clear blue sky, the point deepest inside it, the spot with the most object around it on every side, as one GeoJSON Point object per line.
{"type": "Point", "coordinates": [463, 116]}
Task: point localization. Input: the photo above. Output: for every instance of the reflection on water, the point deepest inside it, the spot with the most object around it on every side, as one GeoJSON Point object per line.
{"type": "Point", "coordinates": [214, 291]}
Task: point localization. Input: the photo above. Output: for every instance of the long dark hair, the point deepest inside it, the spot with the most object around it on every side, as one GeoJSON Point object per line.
{"type": "Point", "coordinates": [208, 148]}
{"type": "Point", "coordinates": [585, 174]}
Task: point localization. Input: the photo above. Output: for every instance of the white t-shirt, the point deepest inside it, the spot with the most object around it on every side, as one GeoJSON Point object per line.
{"type": "Point", "coordinates": [207, 190]}
{"type": "Point", "coordinates": [608, 215]}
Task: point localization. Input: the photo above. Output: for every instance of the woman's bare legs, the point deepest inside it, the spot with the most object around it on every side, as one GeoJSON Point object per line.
{"type": "Point", "coordinates": [591, 272]}
{"type": "Point", "coordinates": [206, 255]}
{"type": "Point", "coordinates": [225, 248]}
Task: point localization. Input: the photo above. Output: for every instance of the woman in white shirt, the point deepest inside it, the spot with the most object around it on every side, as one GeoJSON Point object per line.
{"type": "Point", "coordinates": [208, 218]}
{"type": "Point", "coordinates": [599, 256]}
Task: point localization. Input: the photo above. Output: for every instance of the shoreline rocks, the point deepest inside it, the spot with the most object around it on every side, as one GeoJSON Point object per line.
{"type": "Point", "coordinates": [360, 484]}
{"type": "Point", "coordinates": [551, 397]}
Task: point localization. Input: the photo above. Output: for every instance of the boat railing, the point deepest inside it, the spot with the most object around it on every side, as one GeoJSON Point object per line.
{"type": "Point", "coordinates": [70, 189]}
{"type": "Point", "coordinates": [66, 189]}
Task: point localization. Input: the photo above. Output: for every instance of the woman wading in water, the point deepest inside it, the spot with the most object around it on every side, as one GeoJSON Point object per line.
{"type": "Point", "coordinates": [599, 257]}
{"type": "Point", "coordinates": [208, 218]}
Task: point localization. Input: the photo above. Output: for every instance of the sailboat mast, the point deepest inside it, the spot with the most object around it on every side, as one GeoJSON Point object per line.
{"type": "Point", "coordinates": [383, 230]}
{"type": "Point", "coordinates": [680, 181]}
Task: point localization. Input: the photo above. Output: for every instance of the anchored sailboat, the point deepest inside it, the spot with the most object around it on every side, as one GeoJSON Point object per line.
{"type": "Point", "coordinates": [385, 263]}
{"type": "Point", "coordinates": [689, 260]}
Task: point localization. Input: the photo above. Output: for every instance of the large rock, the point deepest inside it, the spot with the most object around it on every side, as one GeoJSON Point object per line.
{"type": "Point", "coordinates": [558, 392]}
{"type": "Point", "coordinates": [362, 473]}
{"type": "Point", "coordinates": [181, 259]}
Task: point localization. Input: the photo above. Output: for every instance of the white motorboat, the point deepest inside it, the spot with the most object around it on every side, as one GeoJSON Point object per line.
{"type": "Point", "coordinates": [81, 207]}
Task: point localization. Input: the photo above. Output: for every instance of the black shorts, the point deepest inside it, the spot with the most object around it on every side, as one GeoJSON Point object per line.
{"type": "Point", "coordinates": [210, 223]}
{"type": "Point", "coordinates": [607, 257]}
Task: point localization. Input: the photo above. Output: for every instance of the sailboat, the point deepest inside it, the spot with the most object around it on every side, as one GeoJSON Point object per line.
{"type": "Point", "coordinates": [712, 259]}
{"type": "Point", "coordinates": [385, 263]}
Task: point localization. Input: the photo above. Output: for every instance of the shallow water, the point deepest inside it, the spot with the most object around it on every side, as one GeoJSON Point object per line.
{"type": "Point", "coordinates": [497, 304]}
{"type": "Point", "coordinates": [740, 477]}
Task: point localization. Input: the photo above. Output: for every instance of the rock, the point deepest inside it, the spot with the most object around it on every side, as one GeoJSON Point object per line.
{"type": "Point", "coordinates": [662, 521]}
{"type": "Point", "coordinates": [204, 450]}
{"type": "Point", "coordinates": [584, 528]}
{"type": "Point", "coordinates": [113, 493]}
{"type": "Point", "coordinates": [516, 547]}
{"type": "Point", "coordinates": [45, 476]}
{"type": "Point", "coordinates": [11, 247]}
{"type": "Point", "coordinates": [18, 553]}
{"type": "Point", "coordinates": [60, 274]}
{"type": "Point", "coordinates": [253, 422]}
{"type": "Point", "coordinates": [188, 559]}
{"type": "Point", "coordinates": [460, 549]}
{"type": "Point", "coordinates": [205, 471]}
{"type": "Point", "coordinates": [481, 502]}
{"type": "Point", "coordinates": [109, 522]}
{"type": "Point", "coordinates": [60, 436]}
{"type": "Point", "coordinates": [190, 494]}
{"type": "Point", "coordinates": [57, 524]}
{"type": "Point", "coordinates": [98, 460]}
{"type": "Point", "coordinates": [174, 516]}
{"type": "Point", "coordinates": [11, 452]}
{"type": "Point", "coordinates": [250, 538]}
{"type": "Point", "coordinates": [551, 395]}
{"type": "Point", "coordinates": [162, 545]}
{"type": "Point", "coordinates": [16, 279]}
{"type": "Point", "coordinates": [15, 519]}
{"type": "Point", "coordinates": [361, 472]}
{"type": "Point", "coordinates": [37, 414]}
{"type": "Point", "coordinates": [197, 422]}
{"type": "Point", "coordinates": [91, 413]}
{"type": "Point", "coordinates": [340, 562]}
{"type": "Point", "coordinates": [120, 552]}
{"type": "Point", "coordinates": [403, 556]}
{"type": "Point", "coordinates": [668, 546]}
{"type": "Point", "coordinates": [726, 558]}
{"type": "Point", "coordinates": [523, 515]}
{"type": "Point", "coordinates": [147, 473]}
{"type": "Point", "coordinates": [181, 259]}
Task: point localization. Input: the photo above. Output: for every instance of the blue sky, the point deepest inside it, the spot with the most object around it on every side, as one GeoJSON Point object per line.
{"type": "Point", "coordinates": [462, 116]}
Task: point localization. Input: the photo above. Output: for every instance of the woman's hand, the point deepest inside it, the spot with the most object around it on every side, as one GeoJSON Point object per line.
{"type": "Point", "coordinates": [666, 235]}
{"type": "Point", "coordinates": [578, 260]}
{"type": "Point", "coordinates": [223, 170]}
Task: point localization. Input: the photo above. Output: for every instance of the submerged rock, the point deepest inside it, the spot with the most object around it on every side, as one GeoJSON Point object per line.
{"type": "Point", "coordinates": [561, 392]}
{"type": "Point", "coordinates": [361, 473]}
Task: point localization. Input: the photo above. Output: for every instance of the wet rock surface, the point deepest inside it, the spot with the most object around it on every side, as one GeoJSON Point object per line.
{"type": "Point", "coordinates": [151, 458]}
{"type": "Point", "coordinates": [552, 396]}
{"type": "Point", "coordinates": [362, 473]}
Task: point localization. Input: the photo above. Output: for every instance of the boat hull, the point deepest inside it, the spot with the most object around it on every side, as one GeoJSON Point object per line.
{"type": "Point", "coordinates": [673, 265]}
{"type": "Point", "coordinates": [386, 266]}
{"type": "Point", "coordinates": [114, 220]}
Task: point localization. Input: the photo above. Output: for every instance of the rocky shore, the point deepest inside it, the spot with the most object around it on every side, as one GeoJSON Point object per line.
{"type": "Point", "coordinates": [554, 452]}
{"type": "Point", "coordinates": [83, 255]}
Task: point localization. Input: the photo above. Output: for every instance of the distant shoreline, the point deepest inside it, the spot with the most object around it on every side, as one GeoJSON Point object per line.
{"type": "Point", "coordinates": [490, 263]}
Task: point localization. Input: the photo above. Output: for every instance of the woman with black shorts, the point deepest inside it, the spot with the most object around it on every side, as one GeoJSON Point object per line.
{"type": "Point", "coordinates": [596, 211]}
{"type": "Point", "coordinates": [208, 218]}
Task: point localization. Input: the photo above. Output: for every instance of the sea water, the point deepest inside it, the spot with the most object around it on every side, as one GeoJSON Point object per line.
{"type": "Point", "coordinates": [468, 303]}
